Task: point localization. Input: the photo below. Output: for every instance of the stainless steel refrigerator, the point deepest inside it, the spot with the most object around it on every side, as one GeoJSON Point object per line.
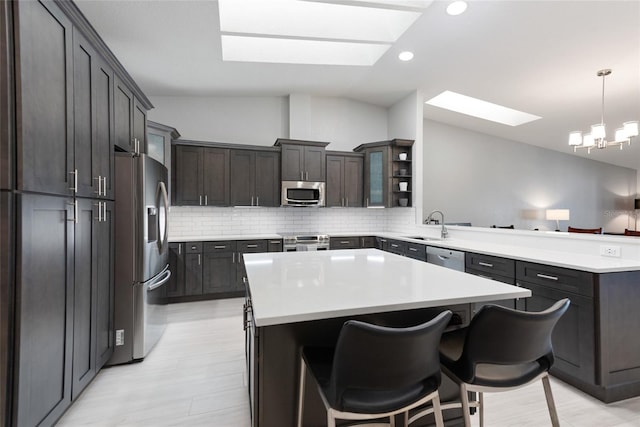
{"type": "Point", "coordinates": [141, 255]}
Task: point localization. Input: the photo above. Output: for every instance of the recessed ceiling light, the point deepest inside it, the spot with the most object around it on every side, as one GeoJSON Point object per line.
{"type": "Point", "coordinates": [456, 7]}
{"type": "Point", "coordinates": [314, 19]}
{"type": "Point", "coordinates": [296, 51]}
{"type": "Point", "coordinates": [481, 109]}
{"type": "Point", "coordinates": [405, 56]}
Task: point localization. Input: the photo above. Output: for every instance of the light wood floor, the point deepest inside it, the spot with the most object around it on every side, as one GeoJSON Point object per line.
{"type": "Point", "coordinates": [195, 376]}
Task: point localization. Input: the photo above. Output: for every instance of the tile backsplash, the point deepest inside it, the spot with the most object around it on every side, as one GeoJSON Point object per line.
{"type": "Point", "coordinates": [212, 221]}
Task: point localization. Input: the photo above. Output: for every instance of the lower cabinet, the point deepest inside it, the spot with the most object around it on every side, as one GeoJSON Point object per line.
{"type": "Point", "coordinates": [211, 269]}
{"type": "Point", "coordinates": [64, 312]}
{"type": "Point", "coordinates": [574, 336]}
{"type": "Point", "coordinates": [344, 242]}
{"type": "Point", "coordinates": [494, 268]}
{"type": "Point", "coordinates": [219, 267]}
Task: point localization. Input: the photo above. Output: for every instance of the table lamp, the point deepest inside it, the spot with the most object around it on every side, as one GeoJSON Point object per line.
{"type": "Point", "coordinates": [558, 215]}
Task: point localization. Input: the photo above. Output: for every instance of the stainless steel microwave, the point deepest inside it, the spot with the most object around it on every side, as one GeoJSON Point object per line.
{"type": "Point", "coordinates": [302, 193]}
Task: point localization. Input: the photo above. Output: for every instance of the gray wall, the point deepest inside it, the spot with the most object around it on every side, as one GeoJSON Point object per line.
{"type": "Point", "coordinates": [485, 180]}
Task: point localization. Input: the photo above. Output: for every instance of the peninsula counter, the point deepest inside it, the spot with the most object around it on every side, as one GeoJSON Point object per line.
{"type": "Point", "coordinates": [303, 298]}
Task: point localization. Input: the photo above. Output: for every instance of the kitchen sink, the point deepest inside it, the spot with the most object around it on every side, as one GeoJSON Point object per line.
{"type": "Point", "coordinates": [426, 239]}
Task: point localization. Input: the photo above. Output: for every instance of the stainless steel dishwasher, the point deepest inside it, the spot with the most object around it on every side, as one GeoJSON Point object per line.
{"type": "Point", "coordinates": [445, 258]}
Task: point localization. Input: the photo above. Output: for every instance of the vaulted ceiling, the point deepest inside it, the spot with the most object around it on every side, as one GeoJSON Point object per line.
{"type": "Point", "coordinates": [540, 57]}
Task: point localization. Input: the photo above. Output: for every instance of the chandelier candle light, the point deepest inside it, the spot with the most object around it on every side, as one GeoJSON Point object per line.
{"type": "Point", "coordinates": [598, 136]}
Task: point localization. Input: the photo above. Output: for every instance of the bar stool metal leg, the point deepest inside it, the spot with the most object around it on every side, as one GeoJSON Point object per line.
{"type": "Point", "coordinates": [464, 398]}
{"type": "Point", "coordinates": [303, 373]}
{"type": "Point", "coordinates": [550, 403]}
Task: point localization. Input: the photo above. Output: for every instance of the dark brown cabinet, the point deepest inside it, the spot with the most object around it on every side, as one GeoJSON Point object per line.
{"type": "Point", "coordinates": [344, 179]}
{"type": "Point", "coordinates": [44, 314]}
{"type": "Point", "coordinates": [385, 171]}
{"type": "Point", "coordinates": [201, 176]}
{"type": "Point", "coordinates": [130, 118]}
{"type": "Point", "coordinates": [302, 160]}
{"type": "Point", "coordinates": [495, 268]}
{"type": "Point", "coordinates": [45, 94]}
{"type": "Point", "coordinates": [416, 251]}
{"type": "Point", "coordinates": [193, 269]}
{"type": "Point", "coordinates": [93, 122]}
{"type": "Point", "coordinates": [255, 178]}
{"type": "Point", "coordinates": [220, 267]}
{"type": "Point", "coordinates": [175, 286]}
{"type": "Point", "coordinates": [573, 337]}
{"type": "Point", "coordinates": [352, 242]}
{"type": "Point", "coordinates": [57, 136]}
{"type": "Point", "coordinates": [93, 291]}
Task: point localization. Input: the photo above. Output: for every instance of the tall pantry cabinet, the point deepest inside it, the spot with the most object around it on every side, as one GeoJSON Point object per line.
{"type": "Point", "coordinates": [57, 138]}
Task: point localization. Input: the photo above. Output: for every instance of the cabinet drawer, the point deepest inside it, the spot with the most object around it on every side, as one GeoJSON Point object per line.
{"type": "Point", "coordinates": [397, 247]}
{"type": "Point", "coordinates": [490, 265]}
{"type": "Point", "coordinates": [368, 242]}
{"type": "Point", "coordinates": [417, 251]}
{"type": "Point", "coordinates": [344, 243]}
{"type": "Point", "coordinates": [221, 246]}
{"type": "Point", "coordinates": [193, 247]}
{"type": "Point", "coordinates": [253, 246]}
{"type": "Point", "coordinates": [275, 245]}
{"type": "Point", "coordinates": [574, 281]}
{"type": "Point", "coordinates": [492, 276]}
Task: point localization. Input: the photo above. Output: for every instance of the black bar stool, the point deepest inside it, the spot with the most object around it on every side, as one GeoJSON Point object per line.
{"type": "Point", "coordinates": [376, 371]}
{"type": "Point", "coordinates": [502, 349]}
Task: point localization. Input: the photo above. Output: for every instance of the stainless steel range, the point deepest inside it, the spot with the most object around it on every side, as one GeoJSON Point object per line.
{"type": "Point", "coordinates": [292, 242]}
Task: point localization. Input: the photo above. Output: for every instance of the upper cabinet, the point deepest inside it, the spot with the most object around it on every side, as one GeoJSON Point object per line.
{"type": "Point", "coordinates": [344, 179]}
{"type": "Point", "coordinates": [130, 120]}
{"type": "Point", "coordinates": [159, 139]}
{"type": "Point", "coordinates": [255, 178]}
{"type": "Point", "coordinates": [302, 160]}
{"type": "Point", "coordinates": [67, 118]}
{"type": "Point", "coordinates": [387, 173]}
{"type": "Point", "coordinates": [201, 176]}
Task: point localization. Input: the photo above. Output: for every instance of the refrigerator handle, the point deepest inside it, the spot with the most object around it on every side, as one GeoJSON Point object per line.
{"type": "Point", "coordinates": [162, 281]}
{"type": "Point", "coordinates": [165, 202]}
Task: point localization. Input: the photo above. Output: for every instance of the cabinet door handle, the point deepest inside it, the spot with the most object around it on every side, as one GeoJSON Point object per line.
{"type": "Point", "coordinates": [179, 248]}
{"type": "Point", "coordinates": [257, 200]}
{"type": "Point", "coordinates": [301, 176]}
{"type": "Point", "coordinates": [199, 259]}
{"type": "Point", "coordinates": [485, 264]}
{"type": "Point", "coordinates": [75, 211]}
{"type": "Point", "coordinates": [383, 240]}
{"type": "Point", "coordinates": [104, 186]}
{"type": "Point", "coordinates": [347, 199]}
{"type": "Point", "coordinates": [233, 258]}
{"type": "Point", "coordinates": [393, 245]}
{"type": "Point", "coordinates": [99, 192]}
{"type": "Point", "coordinates": [275, 242]}
{"type": "Point", "coordinates": [75, 180]}
{"type": "Point", "coordinates": [307, 176]}
{"type": "Point", "coordinates": [545, 276]}
{"type": "Point", "coordinates": [219, 246]}
{"type": "Point", "coordinates": [413, 249]}
{"type": "Point", "coordinates": [344, 242]}
{"type": "Point", "coordinates": [206, 200]}
{"type": "Point", "coordinates": [200, 200]}
{"type": "Point", "coordinates": [99, 205]}
{"type": "Point", "coordinates": [251, 200]}
{"type": "Point", "coordinates": [104, 211]}
{"type": "Point", "coordinates": [367, 202]}
{"type": "Point", "coordinates": [252, 246]}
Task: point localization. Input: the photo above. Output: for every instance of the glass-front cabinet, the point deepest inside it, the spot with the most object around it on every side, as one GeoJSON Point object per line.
{"type": "Point", "coordinates": [387, 173]}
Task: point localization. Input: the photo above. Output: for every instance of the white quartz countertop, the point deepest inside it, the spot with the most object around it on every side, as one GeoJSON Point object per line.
{"type": "Point", "coordinates": [288, 287]}
{"type": "Point", "coordinates": [220, 237]}
{"type": "Point", "coordinates": [576, 261]}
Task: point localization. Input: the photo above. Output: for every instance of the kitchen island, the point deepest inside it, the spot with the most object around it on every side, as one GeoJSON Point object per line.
{"type": "Point", "coordinates": [303, 298]}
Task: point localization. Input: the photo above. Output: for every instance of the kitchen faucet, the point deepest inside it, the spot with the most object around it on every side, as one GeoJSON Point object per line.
{"type": "Point", "coordinates": [443, 233]}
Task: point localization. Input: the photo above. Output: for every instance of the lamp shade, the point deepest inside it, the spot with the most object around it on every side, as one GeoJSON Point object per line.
{"type": "Point", "coordinates": [557, 214]}
{"type": "Point", "coordinates": [630, 129]}
{"type": "Point", "coordinates": [575, 138]}
{"type": "Point", "coordinates": [588, 140]}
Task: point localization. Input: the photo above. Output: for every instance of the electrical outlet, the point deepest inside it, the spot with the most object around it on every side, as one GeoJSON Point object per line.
{"type": "Point", "coordinates": [120, 337]}
{"type": "Point", "coordinates": [613, 251]}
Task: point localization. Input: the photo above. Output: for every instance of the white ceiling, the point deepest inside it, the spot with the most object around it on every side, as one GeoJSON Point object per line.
{"type": "Point", "coordinates": [540, 57]}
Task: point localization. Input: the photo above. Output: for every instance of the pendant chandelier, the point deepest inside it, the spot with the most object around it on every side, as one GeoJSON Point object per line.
{"type": "Point", "coordinates": [598, 137]}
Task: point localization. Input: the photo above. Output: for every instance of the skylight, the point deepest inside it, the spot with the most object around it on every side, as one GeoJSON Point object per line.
{"type": "Point", "coordinates": [296, 51]}
{"type": "Point", "coordinates": [317, 32]}
{"type": "Point", "coordinates": [481, 109]}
